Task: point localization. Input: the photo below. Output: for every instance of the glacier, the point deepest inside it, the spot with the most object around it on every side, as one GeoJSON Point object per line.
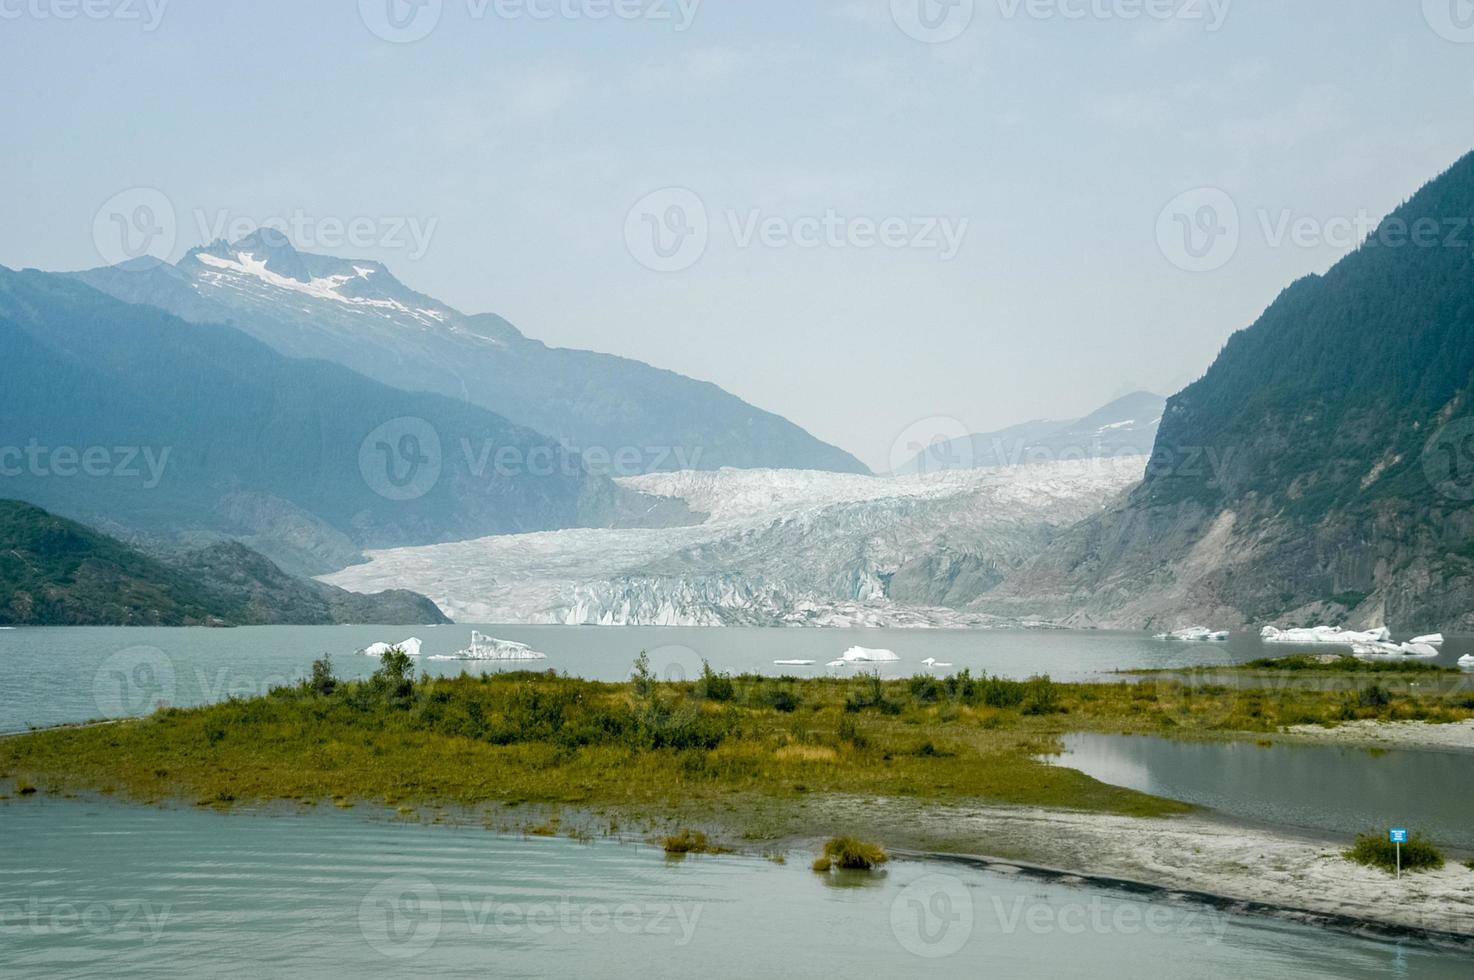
{"type": "Point", "coordinates": [776, 548]}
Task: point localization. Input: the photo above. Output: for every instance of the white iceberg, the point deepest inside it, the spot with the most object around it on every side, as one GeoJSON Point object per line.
{"type": "Point", "coordinates": [1394, 651]}
{"type": "Point", "coordinates": [1432, 639]}
{"type": "Point", "coordinates": [410, 646]}
{"type": "Point", "coordinates": [862, 655]}
{"type": "Point", "coordinates": [1325, 634]}
{"type": "Point", "coordinates": [1195, 634]}
{"type": "Point", "coordinates": [934, 662]}
{"type": "Point", "coordinates": [1467, 661]}
{"type": "Point", "coordinates": [793, 663]}
{"type": "Point", "coordinates": [846, 663]}
{"type": "Point", "coordinates": [485, 647]}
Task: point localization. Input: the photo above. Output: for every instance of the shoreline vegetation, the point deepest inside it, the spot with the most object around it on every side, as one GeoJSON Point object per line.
{"type": "Point", "coordinates": [548, 738]}
{"type": "Point", "coordinates": [954, 765]}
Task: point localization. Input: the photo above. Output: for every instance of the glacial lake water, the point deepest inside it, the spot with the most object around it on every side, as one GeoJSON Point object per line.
{"type": "Point", "coordinates": [105, 889]}
{"type": "Point", "coordinates": [52, 676]}
{"type": "Point", "coordinates": [1315, 787]}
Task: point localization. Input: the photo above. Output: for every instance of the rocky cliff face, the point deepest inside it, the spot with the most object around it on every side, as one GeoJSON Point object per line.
{"type": "Point", "coordinates": [1321, 471]}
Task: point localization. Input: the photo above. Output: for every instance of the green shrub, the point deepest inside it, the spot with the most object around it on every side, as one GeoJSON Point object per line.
{"type": "Point", "coordinates": [322, 682]}
{"type": "Point", "coordinates": [1376, 851]}
{"type": "Point", "coordinates": [852, 854]}
{"type": "Point", "coordinates": [714, 686]}
{"type": "Point", "coordinates": [850, 732]}
{"type": "Point", "coordinates": [779, 698]}
{"type": "Point", "coordinates": [1041, 697]}
{"type": "Point", "coordinates": [926, 689]}
{"type": "Point", "coordinates": [869, 692]}
{"type": "Point", "coordinates": [688, 842]}
{"type": "Point", "coordinates": [1375, 696]}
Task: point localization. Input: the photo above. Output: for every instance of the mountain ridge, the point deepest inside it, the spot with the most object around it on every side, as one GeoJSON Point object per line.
{"type": "Point", "coordinates": [356, 313]}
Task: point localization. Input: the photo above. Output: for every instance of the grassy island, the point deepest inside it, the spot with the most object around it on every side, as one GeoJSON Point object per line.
{"type": "Point", "coordinates": [740, 752]}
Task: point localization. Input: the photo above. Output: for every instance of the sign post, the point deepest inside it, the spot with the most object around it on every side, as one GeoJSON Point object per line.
{"type": "Point", "coordinates": [1398, 836]}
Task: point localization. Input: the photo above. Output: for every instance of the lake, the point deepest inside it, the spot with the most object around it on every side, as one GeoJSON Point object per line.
{"type": "Point", "coordinates": [52, 676]}
{"type": "Point", "coordinates": [1315, 787]}
{"type": "Point", "coordinates": [102, 888]}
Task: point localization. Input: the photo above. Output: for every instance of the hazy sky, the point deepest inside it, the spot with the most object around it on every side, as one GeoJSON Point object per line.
{"type": "Point", "coordinates": [881, 217]}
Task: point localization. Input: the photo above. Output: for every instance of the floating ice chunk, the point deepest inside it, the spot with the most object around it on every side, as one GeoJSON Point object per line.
{"type": "Point", "coordinates": [846, 663]}
{"type": "Point", "coordinates": [1467, 662]}
{"type": "Point", "coordinates": [1432, 639]}
{"type": "Point", "coordinates": [410, 646]}
{"type": "Point", "coordinates": [862, 655]}
{"type": "Point", "coordinates": [485, 647]}
{"type": "Point", "coordinates": [793, 663]}
{"type": "Point", "coordinates": [934, 662]}
{"type": "Point", "coordinates": [1325, 634]}
{"type": "Point", "coordinates": [1195, 634]}
{"type": "Point", "coordinates": [1394, 651]}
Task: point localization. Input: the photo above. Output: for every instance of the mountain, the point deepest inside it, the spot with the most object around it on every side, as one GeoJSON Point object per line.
{"type": "Point", "coordinates": [625, 416]}
{"type": "Point", "coordinates": [776, 548]}
{"type": "Point", "coordinates": [1322, 470]}
{"type": "Point", "coordinates": [55, 572]}
{"type": "Point", "coordinates": [126, 417]}
{"type": "Point", "coordinates": [1125, 427]}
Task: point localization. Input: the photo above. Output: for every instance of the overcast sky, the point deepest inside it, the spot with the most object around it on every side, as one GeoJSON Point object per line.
{"type": "Point", "coordinates": [855, 213]}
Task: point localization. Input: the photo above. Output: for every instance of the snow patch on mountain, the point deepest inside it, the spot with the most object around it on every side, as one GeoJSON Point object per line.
{"type": "Point", "coordinates": [778, 547]}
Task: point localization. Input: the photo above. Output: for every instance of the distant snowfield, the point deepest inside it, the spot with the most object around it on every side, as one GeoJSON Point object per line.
{"type": "Point", "coordinates": [779, 547]}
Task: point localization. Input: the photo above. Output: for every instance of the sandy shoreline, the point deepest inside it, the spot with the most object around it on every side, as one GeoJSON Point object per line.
{"type": "Point", "coordinates": [1458, 736]}
{"type": "Point", "coordinates": [1274, 868]}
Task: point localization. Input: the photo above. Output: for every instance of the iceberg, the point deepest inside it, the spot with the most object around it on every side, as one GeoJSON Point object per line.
{"type": "Point", "coordinates": [933, 662]}
{"type": "Point", "coordinates": [1467, 662]}
{"type": "Point", "coordinates": [485, 647]}
{"type": "Point", "coordinates": [410, 646]}
{"type": "Point", "coordinates": [1432, 639]}
{"type": "Point", "coordinates": [861, 655]}
{"type": "Point", "coordinates": [1326, 634]}
{"type": "Point", "coordinates": [1195, 634]}
{"type": "Point", "coordinates": [1394, 650]}
{"type": "Point", "coordinates": [845, 663]}
{"type": "Point", "coordinates": [793, 663]}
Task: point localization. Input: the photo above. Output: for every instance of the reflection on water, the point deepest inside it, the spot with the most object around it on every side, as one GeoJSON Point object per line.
{"type": "Point", "coordinates": [1319, 787]}
{"type": "Point", "coordinates": [106, 889]}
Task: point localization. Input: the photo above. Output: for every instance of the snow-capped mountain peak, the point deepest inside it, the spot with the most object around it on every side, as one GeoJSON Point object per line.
{"type": "Point", "coordinates": [265, 265]}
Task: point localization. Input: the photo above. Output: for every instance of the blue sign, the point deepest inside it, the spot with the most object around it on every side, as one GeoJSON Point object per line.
{"type": "Point", "coordinates": [1397, 835]}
